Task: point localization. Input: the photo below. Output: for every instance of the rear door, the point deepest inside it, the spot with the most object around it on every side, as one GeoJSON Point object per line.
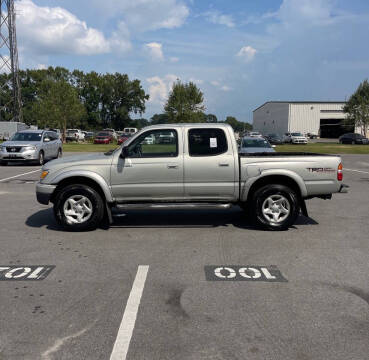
{"type": "Point", "coordinates": [209, 165]}
{"type": "Point", "coordinates": [153, 169]}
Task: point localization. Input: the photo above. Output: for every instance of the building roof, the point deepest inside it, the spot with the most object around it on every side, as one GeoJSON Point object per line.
{"type": "Point", "coordinates": [301, 102]}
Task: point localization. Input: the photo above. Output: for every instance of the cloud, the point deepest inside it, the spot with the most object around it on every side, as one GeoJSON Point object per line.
{"type": "Point", "coordinates": [143, 15]}
{"type": "Point", "coordinates": [196, 81]}
{"type": "Point", "coordinates": [155, 51]}
{"type": "Point", "coordinates": [159, 88]}
{"type": "Point", "coordinates": [5, 64]}
{"type": "Point", "coordinates": [216, 17]}
{"type": "Point", "coordinates": [56, 30]}
{"type": "Point", "coordinates": [247, 53]}
{"type": "Point", "coordinates": [220, 85]}
{"type": "Point", "coordinates": [214, 83]}
{"type": "Point", "coordinates": [225, 88]}
{"type": "Point", "coordinates": [173, 59]}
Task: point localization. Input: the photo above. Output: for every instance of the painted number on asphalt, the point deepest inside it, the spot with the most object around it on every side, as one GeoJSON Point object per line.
{"type": "Point", "coordinates": [268, 273]}
{"type": "Point", "coordinates": [24, 272]}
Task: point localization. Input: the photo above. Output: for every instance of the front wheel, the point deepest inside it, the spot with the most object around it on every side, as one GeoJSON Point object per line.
{"type": "Point", "coordinates": [79, 208]}
{"type": "Point", "coordinates": [276, 207]}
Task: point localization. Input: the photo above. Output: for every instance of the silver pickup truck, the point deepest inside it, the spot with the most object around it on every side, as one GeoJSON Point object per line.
{"type": "Point", "coordinates": [186, 166]}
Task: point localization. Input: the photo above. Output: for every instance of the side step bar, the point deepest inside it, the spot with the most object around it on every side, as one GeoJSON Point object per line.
{"type": "Point", "coordinates": [145, 206]}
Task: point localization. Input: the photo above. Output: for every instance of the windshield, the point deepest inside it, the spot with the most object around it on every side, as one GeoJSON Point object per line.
{"type": "Point", "coordinates": [296, 134]}
{"type": "Point", "coordinates": [255, 143]}
{"type": "Point", "coordinates": [103, 134]}
{"type": "Point", "coordinates": [26, 137]}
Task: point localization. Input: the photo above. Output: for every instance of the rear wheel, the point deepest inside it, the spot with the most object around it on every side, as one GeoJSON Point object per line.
{"type": "Point", "coordinates": [276, 207]}
{"type": "Point", "coordinates": [60, 153]}
{"type": "Point", "coordinates": [79, 208]}
{"type": "Point", "coordinates": [41, 158]}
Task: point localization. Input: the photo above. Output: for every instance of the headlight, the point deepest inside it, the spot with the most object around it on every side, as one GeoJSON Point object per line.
{"type": "Point", "coordinates": [44, 174]}
{"type": "Point", "coordinates": [26, 148]}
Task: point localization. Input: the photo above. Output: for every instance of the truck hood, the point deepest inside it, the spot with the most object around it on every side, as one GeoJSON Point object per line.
{"type": "Point", "coordinates": [80, 160]}
{"type": "Point", "coordinates": [20, 143]}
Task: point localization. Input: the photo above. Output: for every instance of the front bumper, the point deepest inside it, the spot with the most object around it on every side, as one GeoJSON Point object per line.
{"type": "Point", "coordinates": [44, 193]}
{"type": "Point", "coordinates": [19, 156]}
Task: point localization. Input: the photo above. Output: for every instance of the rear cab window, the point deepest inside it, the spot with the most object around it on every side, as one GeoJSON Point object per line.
{"type": "Point", "coordinates": [207, 142]}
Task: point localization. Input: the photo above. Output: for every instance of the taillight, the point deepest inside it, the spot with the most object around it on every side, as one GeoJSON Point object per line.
{"type": "Point", "coordinates": [339, 172]}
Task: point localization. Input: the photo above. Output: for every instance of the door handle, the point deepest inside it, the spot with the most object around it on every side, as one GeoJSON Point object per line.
{"type": "Point", "coordinates": [172, 166]}
{"type": "Point", "coordinates": [223, 164]}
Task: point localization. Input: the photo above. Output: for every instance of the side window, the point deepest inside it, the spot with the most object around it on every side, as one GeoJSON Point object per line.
{"type": "Point", "coordinates": [155, 143]}
{"type": "Point", "coordinates": [207, 142]}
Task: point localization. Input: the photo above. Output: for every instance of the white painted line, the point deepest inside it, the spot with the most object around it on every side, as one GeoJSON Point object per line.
{"type": "Point", "coordinates": [359, 171]}
{"type": "Point", "coordinates": [127, 325]}
{"type": "Point", "coordinates": [13, 177]}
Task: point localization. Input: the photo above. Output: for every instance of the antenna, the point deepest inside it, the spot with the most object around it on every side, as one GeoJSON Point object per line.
{"type": "Point", "coordinates": [9, 59]}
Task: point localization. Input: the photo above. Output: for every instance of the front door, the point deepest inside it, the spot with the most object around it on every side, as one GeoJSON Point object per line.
{"type": "Point", "coordinates": [152, 169]}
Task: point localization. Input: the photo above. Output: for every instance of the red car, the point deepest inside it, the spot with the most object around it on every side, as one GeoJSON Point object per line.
{"type": "Point", "coordinates": [103, 138]}
{"type": "Point", "coordinates": [123, 138]}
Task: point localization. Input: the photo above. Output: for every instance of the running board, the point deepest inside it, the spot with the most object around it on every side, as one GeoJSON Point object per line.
{"type": "Point", "coordinates": [145, 206]}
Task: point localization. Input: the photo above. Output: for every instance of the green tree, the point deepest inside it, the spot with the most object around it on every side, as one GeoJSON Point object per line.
{"type": "Point", "coordinates": [59, 106]}
{"type": "Point", "coordinates": [159, 119]}
{"type": "Point", "coordinates": [238, 126]}
{"type": "Point", "coordinates": [357, 108]}
{"type": "Point", "coordinates": [211, 118]}
{"type": "Point", "coordinates": [185, 103]}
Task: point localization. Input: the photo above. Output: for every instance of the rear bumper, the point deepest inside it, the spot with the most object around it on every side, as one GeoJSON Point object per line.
{"type": "Point", "coordinates": [44, 192]}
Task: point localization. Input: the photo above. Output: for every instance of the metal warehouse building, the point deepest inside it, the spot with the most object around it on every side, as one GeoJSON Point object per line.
{"type": "Point", "coordinates": [324, 119]}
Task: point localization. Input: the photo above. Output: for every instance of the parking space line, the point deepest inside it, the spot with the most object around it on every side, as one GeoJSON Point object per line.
{"type": "Point", "coordinates": [359, 171]}
{"type": "Point", "coordinates": [13, 177]}
{"type": "Point", "coordinates": [127, 325]}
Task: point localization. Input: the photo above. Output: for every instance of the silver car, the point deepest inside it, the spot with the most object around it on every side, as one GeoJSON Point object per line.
{"type": "Point", "coordinates": [31, 145]}
{"type": "Point", "coordinates": [255, 145]}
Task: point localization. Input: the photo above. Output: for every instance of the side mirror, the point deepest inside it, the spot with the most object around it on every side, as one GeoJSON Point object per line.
{"type": "Point", "coordinates": [46, 139]}
{"type": "Point", "coordinates": [124, 152]}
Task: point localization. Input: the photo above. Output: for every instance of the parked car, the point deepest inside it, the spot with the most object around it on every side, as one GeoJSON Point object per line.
{"type": "Point", "coordinates": [274, 139]}
{"type": "Point", "coordinates": [130, 131]}
{"type": "Point", "coordinates": [112, 132]}
{"type": "Point", "coordinates": [287, 138]}
{"type": "Point", "coordinates": [32, 146]}
{"type": "Point", "coordinates": [351, 138]}
{"type": "Point", "coordinates": [311, 136]}
{"type": "Point", "coordinates": [75, 135]}
{"type": "Point", "coordinates": [103, 138]}
{"type": "Point", "coordinates": [255, 134]}
{"type": "Point", "coordinates": [254, 145]}
{"type": "Point", "coordinates": [201, 169]}
{"type": "Point", "coordinates": [89, 135]}
{"type": "Point", "coordinates": [298, 138]}
{"type": "Point", "coordinates": [123, 138]}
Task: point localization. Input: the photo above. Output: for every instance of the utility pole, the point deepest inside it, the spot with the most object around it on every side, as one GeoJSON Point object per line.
{"type": "Point", "coordinates": [9, 59]}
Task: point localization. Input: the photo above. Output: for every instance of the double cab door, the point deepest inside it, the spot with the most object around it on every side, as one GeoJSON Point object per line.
{"type": "Point", "coordinates": [152, 169]}
{"type": "Point", "coordinates": [176, 164]}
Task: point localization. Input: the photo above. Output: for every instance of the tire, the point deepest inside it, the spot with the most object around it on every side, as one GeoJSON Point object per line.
{"type": "Point", "coordinates": [60, 153]}
{"type": "Point", "coordinates": [276, 207]}
{"type": "Point", "coordinates": [352, 142]}
{"type": "Point", "coordinates": [41, 158]}
{"type": "Point", "coordinates": [78, 222]}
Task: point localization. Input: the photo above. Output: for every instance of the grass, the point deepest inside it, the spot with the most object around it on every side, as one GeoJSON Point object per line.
{"type": "Point", "coordinates": [325, 148]}
{"type": "Point", "coordinates": [80, 147]}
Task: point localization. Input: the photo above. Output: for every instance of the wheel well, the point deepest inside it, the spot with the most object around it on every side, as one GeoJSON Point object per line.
{"type": "Point", "coordinates": [78, 180]}
{"type": "Point", "coordinates": [274, 179]}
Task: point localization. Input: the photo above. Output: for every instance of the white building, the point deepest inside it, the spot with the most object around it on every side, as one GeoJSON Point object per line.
{"type": "Point", "coordinates": [320, 118]}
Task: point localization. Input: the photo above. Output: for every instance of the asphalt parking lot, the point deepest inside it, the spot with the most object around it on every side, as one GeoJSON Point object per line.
{"type": "Point", "coordinates": [321, 311]}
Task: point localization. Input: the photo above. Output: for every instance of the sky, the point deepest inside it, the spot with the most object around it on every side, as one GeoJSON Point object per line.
{"type": "Point", "coordinates": [240, 53]}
